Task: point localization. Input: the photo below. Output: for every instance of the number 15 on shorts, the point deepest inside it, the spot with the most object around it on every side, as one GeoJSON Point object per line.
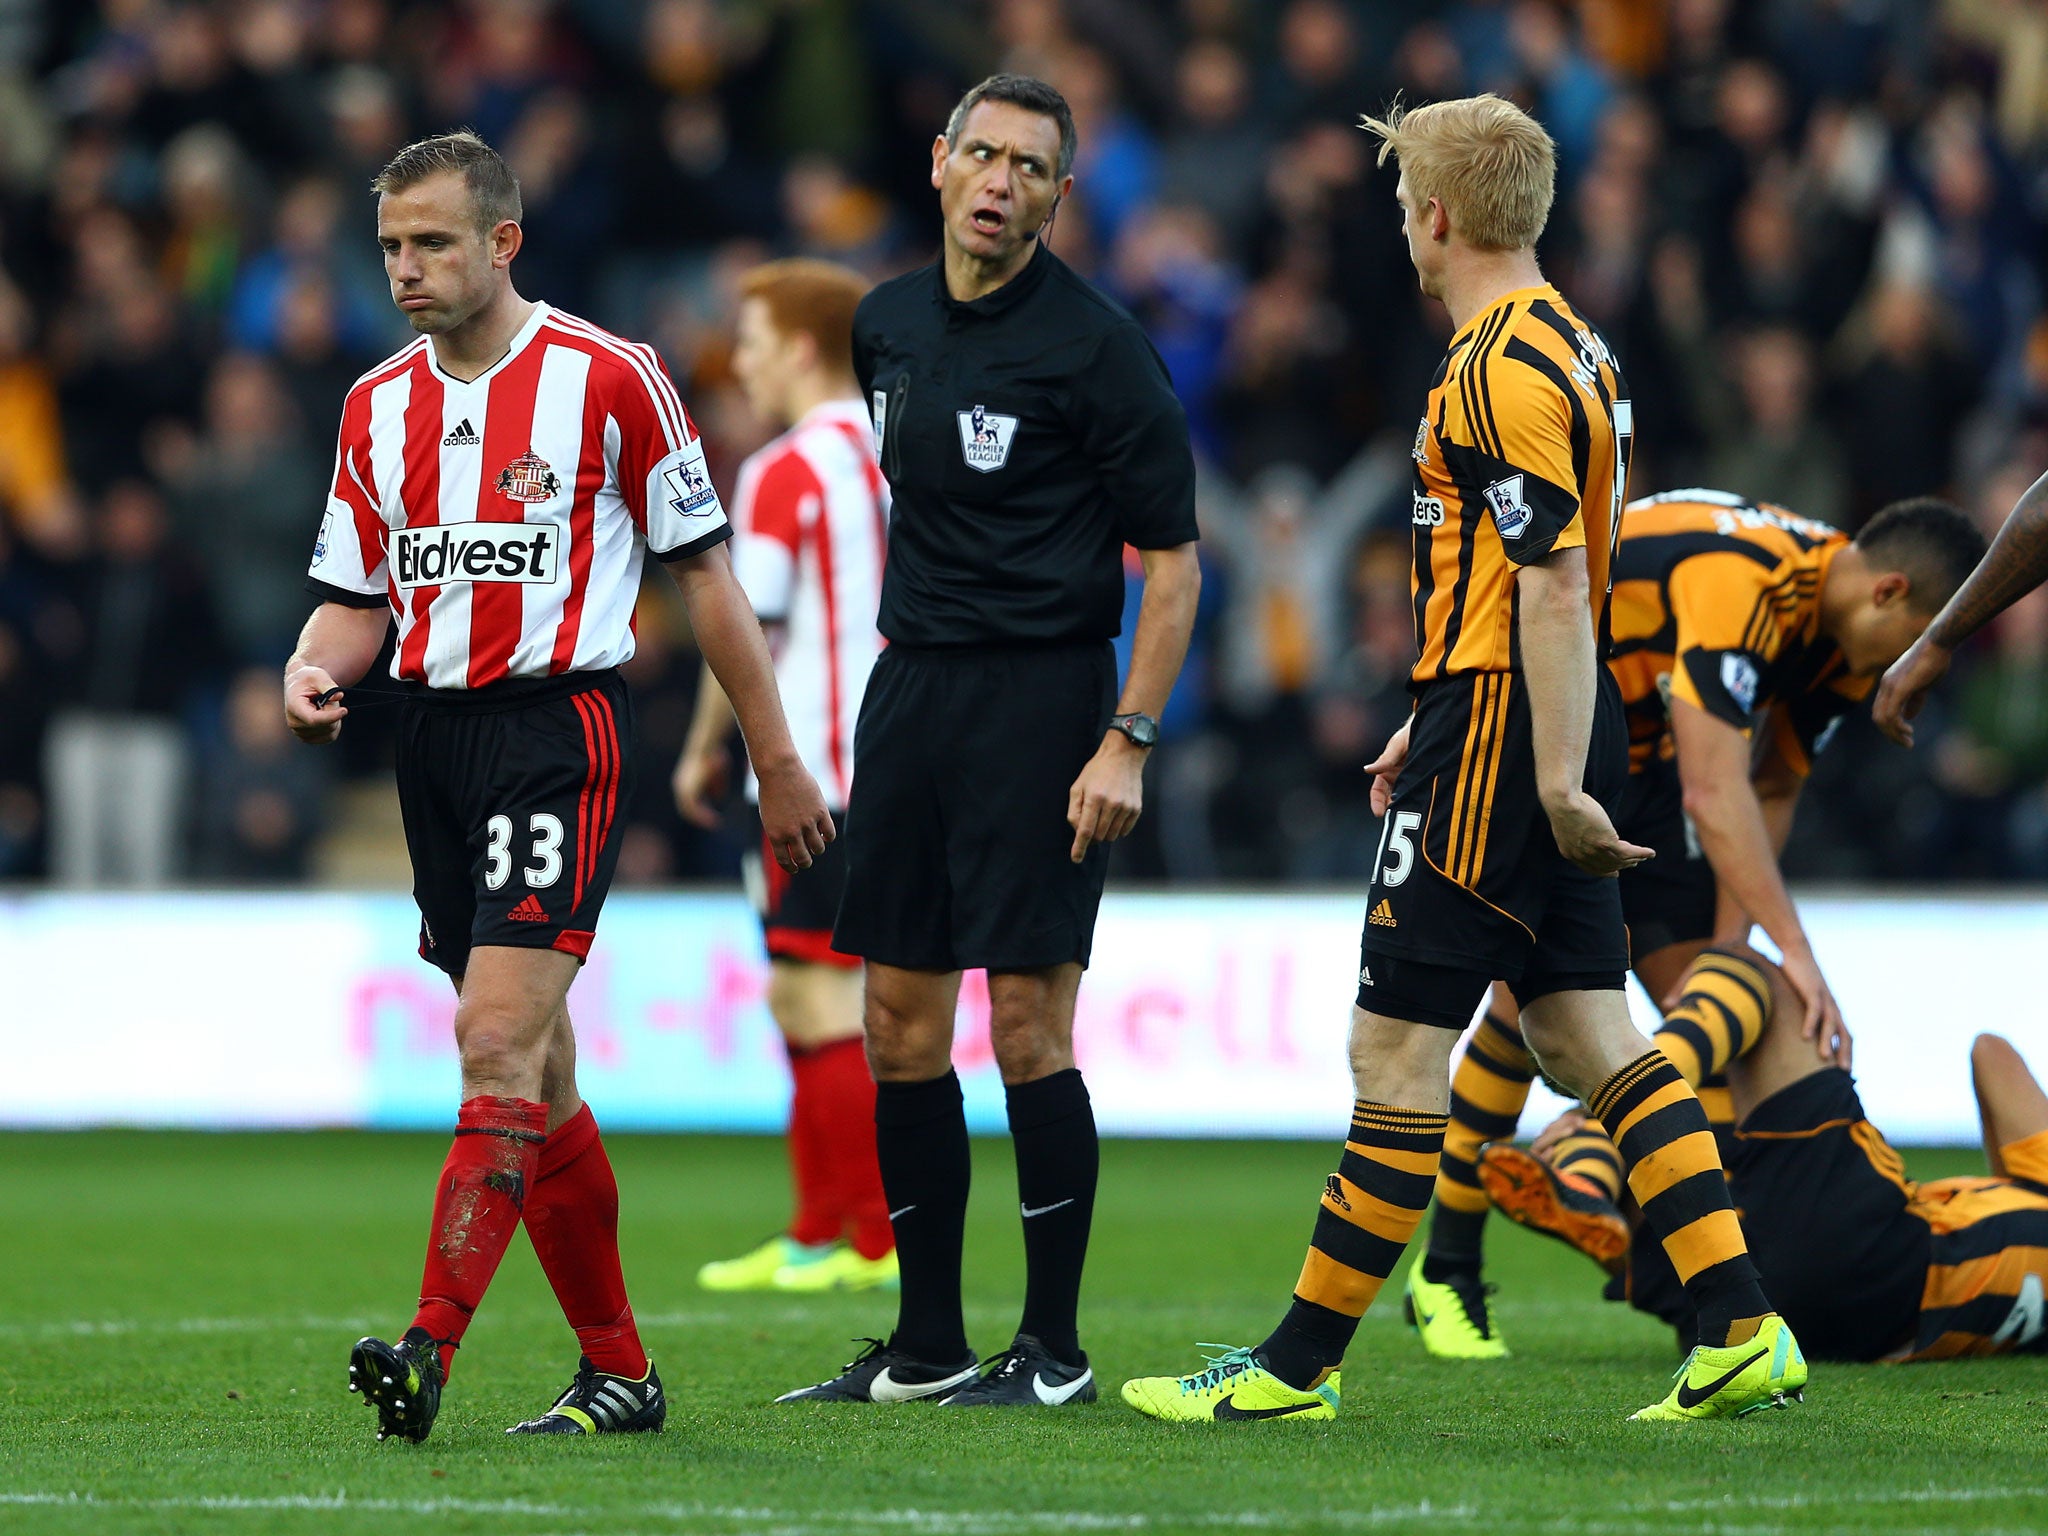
{"type": "Point", "coordinates": [1397, 848]}
{"type": "Point", "coordinates": [544, 850]}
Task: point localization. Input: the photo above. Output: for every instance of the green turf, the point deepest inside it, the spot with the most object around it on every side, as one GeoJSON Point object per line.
{"type": "Point", "coordinates": [176, 1310]}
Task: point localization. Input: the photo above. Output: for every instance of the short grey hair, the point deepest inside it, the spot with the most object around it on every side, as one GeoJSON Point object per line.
{"type": "Point", "coordinates": [1030, 93]}
{"type": "Point", "coordinates": [493, 189]}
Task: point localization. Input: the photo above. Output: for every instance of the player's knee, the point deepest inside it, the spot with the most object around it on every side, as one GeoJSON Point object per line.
{"type": "Point", "coordinates": [903, 1046]}
{"type": "Point", "coordinates": [499, 1046]}
{"type": "Point", "coordinates": [1029, 1045]}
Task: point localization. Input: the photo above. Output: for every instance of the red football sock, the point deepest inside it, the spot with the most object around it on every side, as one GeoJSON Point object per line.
{"type": "Point", "coordinates": [484, 1184]}
{"type": "Point", "coordinates": [844, 1100]}
{"type": "Point", "coordinates": [573, 1218]}
{"type": "Point", "coordinates": [818, 1217]}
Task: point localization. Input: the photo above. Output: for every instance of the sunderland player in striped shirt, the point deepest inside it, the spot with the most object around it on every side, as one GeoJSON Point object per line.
{"type": "Point", "coordinates": [496, 485]}
{"type": "Point", "coordinates": [810, 520]}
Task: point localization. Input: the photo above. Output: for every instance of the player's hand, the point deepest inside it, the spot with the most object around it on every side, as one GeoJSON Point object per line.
{"type": "Point", "coordinates": [1570, 1123]}
{"type": "Point", "coordinates": [1587, 837]}
{"type": "Point", "coordinates": [793, 815]}
{"type": "Point", "coordinates": [1108, 798]}
{"type": "Point", "coordinates": [702, 778]}
{"type": "Point", "coordinates": [1823, 1021]}
{"type": "Point", "coordinates": [1905, 686]}
{"type": "Point", "coordinates": [1387, 767]}
{"type": "Point", "coordinates": [311, 722]}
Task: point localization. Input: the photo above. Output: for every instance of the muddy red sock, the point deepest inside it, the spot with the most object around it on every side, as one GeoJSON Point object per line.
{"type": "Point", "coordinates": [573, 1218]}
{"type": "Point", "coordinates": [484, 1185]}
{"type": "Point", "coordinates": [818, 1218]}
{"type": "Point", "coordinates": [844, 1111]}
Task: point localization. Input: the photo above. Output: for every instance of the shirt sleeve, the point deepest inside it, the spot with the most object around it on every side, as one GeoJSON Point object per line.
{"type": "Point", "coordinates": [349, 550]}
{"type": "Point", "coordinates": [1801, 727]}
{"type": "Point", "coordinates": [658, 459]}
{"type": "Point", "coordinates": [1522, 460]}
{"type": "Point", "coordinates": [777, 497]}
{"type": "Point", "coordinates": [1134, 431]}
{"type": "Point", "coordinates": [1720, 651]}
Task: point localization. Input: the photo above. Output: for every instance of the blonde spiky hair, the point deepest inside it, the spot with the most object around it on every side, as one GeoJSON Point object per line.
{"type": "Point", "coordinates": [1490, 163]}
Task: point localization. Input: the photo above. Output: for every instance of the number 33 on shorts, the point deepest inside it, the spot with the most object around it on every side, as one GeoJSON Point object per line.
{"type": "Point", "coordinates": [545, 851]}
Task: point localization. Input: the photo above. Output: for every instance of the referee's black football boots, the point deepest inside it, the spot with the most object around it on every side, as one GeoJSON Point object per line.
{"type": "Point", "coordinates": [598, 1403]}
{"type": "Point", "coordinates": [401, 1381]}
{"type": "Point", "coordinates": [1027, 1376]}
{"type": "Point", "coordinates": [880, 1374]}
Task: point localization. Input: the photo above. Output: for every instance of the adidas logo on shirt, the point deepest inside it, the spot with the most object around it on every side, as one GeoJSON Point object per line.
{"type": "Point", "coordinates": [1382, 916]}
{"type": "Point", "coordinates": [463, 436]}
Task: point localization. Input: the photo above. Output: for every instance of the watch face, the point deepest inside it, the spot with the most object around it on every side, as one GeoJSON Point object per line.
{"type": "Point", "coordinates": [1142, 729]}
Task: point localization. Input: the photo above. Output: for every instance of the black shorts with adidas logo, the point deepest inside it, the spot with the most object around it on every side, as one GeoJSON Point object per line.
{"type": "Point", "coordinates": [1469, 885]}
{"type": "Point", "coordinates": [510, 795]}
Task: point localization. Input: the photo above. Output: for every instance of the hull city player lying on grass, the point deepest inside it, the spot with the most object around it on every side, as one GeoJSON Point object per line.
{"type": "Point", "coordinates": [1866, 1263]}
{"type": "Point", "coordinates": [1499, 853]}
{"type": "Point", "coordinates": [496, 486]}
{"type": "Point", "coordinates": [811, 525]}
{"type": "Point", "coordinates": [1742, 634]}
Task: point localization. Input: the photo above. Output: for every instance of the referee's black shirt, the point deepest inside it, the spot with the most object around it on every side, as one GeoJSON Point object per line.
{"type": "Point", "coordinates": [1027, 436]}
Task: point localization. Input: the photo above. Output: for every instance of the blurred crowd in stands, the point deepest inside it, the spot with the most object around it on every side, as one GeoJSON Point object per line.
{"type": "Point", "coordinates": [1812, 229]}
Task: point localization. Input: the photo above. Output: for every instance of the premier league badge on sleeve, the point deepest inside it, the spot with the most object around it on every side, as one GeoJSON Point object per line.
{"type": "Point", "coordinates": [985, 438]}
{"type": "Point", "coordinates": [1511, 514]}
{"type": "Point", "coordinates": [688, 482]}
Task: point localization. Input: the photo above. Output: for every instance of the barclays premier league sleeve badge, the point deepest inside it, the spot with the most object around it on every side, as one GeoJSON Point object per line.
{"type": "Point", "coordinates": [1512, 513]}
{"type": "Point", "coordinates": [688, 483]}
{"type": "Point", "coordinates": [985, 438]}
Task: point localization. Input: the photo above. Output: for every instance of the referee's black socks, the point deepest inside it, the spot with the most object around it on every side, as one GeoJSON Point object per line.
{"type": "Point", "coordinates": [1058, 1156]}
{"type": "Point", "coordinates": [921, 1142]}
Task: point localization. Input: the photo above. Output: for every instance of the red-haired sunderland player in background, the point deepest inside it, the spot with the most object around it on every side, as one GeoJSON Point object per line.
{"type": "Point", "coordinates": [496, 485]}
{"type": "Point", "coordinates": [810, 514]}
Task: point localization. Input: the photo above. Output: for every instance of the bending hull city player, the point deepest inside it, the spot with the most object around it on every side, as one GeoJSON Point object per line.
{"type": "Point", "coordinates": [497, 485]}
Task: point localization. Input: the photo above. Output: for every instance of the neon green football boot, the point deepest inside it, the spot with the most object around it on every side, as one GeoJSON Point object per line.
{"type": "Point", "coordinates": [1453, 1318]}
{"type": "Point", "coordinates": [755, 1269]}
{"type": "Point", "coordinates": [838, 1268]}
{"type": "Point", "coordinates": [1766, 1372]}
{"type": "Point", "coordinates": [1234, 1386]}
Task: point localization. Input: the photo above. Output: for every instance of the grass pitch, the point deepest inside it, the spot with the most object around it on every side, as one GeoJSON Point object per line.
{"type": "Point", "coordinates": [176, 1311]}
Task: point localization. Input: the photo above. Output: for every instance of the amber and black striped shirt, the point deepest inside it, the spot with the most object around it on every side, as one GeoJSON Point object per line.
{"type": "Point", "coordinates": [1524, 450]}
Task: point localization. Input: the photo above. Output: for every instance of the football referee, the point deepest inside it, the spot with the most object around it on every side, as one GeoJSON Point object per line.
{"type": "Point", "coordinates": [1028, 431]}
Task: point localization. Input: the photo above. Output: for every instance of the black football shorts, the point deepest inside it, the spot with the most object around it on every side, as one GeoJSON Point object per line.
{"type": "Point", "coordinates": [797, 910]}
{"type": "Point", "coordinates": [1469, 885]}
{"type": "Point", "coordinates": [1670, 899]}
{"type": "Point", "coordinates": [956, 827]}
{"type": "Point", "coordinates": [511, 796]}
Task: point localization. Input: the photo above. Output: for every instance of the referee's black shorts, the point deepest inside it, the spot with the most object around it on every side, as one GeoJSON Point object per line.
{"type": "Point", "coordinates": [510, 796]}
{"type": "Point", "coordinates": [956, 830]}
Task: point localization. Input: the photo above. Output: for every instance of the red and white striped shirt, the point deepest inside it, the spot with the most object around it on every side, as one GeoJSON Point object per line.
{"type": "Point", "coordinates": [811, 510]}
{"type": "Point", "coordinates": [504, 518]}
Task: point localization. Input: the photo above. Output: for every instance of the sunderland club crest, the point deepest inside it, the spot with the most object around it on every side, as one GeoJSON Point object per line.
{"type": "Point", "coordinates": [529, 478]}
{"type": "Point", "coordinates": [985, 438]}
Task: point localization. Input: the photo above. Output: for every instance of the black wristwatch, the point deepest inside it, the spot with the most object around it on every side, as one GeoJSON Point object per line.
{"type": "Point", "coordinates": [1143, 730]}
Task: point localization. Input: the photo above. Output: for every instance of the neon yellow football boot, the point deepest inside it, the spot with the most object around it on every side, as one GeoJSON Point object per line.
{"type": "Point", "coordinates": [1233, 1386]}
{"type": "Point", "coordinates": [1766, 1372]}
{"type": "Point", "coordinates": [1453, 1319]}
{"type": "Point", "coordinates": [755, 1269]}
{"type": "Point", "coordinates": [838, 1268]}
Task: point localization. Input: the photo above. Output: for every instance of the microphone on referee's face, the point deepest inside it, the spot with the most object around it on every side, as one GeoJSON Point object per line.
{"type": "Point", "coordinates": [1044, 231]}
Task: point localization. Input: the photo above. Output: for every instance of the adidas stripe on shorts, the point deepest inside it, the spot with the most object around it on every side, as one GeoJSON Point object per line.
{"type": "Point", "coordinates": [511, 795]}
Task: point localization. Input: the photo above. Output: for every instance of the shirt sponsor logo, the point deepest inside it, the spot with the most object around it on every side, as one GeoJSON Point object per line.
{"type": "Point", "coordinates": [1428, 513]}
{"type": "Point", "coordinates": [491, 552]}
{"type": "Point", "coordinates": [1511, 513]}
{"type": "Point", "coordinates": [689, 483]}
{"type": "Point", "coordinates": [529, 478]}
{"type": "Point", "coordinates": [985, 438]}
{"type": "Point", "coordinates": [1739, 678]}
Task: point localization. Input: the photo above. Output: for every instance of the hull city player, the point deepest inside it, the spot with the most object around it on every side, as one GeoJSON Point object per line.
{"type": "Point", "coordinates": [1498, 855]}
{"type": "Point", "coordinates": [496, 485]}
{"type": "Point", "coordinates": [810, 515]}
{"type": "Point", "coordinates": [1029, 433]}
{"type": "Point", "coordinates": [1867, 1263]}
{"type": "Point", "coordinates": [1742, 634]}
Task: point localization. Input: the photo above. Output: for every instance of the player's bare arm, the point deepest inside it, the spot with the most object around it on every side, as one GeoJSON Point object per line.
{"type": "Point", "coordinates": [1560, 669]}
{"type": "Point", "coordinates": [703, 771]}
{"type": "Point", "coordinates": [793, 813]}
{"type": "Point", "coordinates": [336, 648]}
{"type": "Point", "coordinates": [1109, 796]}
{"type": "Point", "coordinates": [2016, 564]}
{"type": "Point", "coordinates": [1735, 835]}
